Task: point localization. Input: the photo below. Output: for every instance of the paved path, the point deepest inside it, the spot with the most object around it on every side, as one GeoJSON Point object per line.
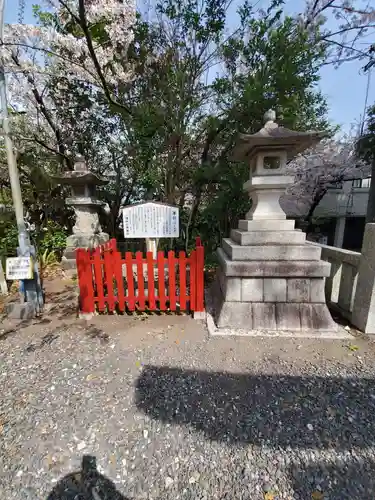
{"type": "Point", "coordinates": [170, 414]}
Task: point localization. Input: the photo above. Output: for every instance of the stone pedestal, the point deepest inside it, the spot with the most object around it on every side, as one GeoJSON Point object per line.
{"type": "Point", "coordinates": [271, 279]}
{"type": "Point", "coordinates": [73, 242]}
{"type": "Point", "coordinates": [87, 231]}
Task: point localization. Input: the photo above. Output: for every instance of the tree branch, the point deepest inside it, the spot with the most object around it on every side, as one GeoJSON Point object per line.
{"type": "Point", "coordinates": [44, 110]}
{"type": "Point", "coordinates": [90, 46]}
{"type": "Point", "coordinates": [46, 51]}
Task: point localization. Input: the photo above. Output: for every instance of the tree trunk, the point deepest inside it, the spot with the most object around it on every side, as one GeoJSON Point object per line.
{"type": "Point", "coordinates": [370, 215]}
{"type": "Point", "coordinates": [309, 217]}
{"type": "Point", "coordinates": [193, 215]}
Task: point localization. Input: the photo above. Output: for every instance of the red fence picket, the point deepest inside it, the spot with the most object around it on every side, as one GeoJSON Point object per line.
{"type": "Point", "coordinates": [85, 281]}
{"type": "Point", "coordinates": [161, 279]}
{"type": "Point", "coordinates": [199, 305]}
{"type": "Point", "coordinates": [109, 282]}
{"type": "Point", "coordinates": [109, 245]}
{"type": "Point", "coordinates": [182, 279]}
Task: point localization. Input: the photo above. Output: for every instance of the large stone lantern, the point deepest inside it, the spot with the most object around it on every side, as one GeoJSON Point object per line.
{"type": "Point", "coordinates": [269, 278]}
{"type": "Point", "coordinates": [87, 231]}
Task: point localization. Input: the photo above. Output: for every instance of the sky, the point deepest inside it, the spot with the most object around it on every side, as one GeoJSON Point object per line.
{"type": "Point", "coordinates": [344, 88]}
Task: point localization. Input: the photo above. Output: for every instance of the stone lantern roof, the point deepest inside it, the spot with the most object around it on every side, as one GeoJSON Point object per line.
{"type": "Point", "coordinates": [271, 137]}
{"type": "Point", "coordinates": [80, 176]}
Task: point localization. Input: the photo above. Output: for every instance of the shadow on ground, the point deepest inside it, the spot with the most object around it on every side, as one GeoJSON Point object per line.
{"type": "Point", "coordinates": [86, 484]}
{"type": "Point", "coordinates": [275, 410]}
{"type": "Point", "coordinates": [343, 481]}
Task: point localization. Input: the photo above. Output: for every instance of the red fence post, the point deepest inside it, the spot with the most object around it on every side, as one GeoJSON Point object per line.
{"type": "Point", "coordinates": [130, 281]}
{"type": "Point", "coordinates": [193, 283]}
{"type": "Point", "coordinates": [99, 277]}
{"type": "Point", "coordinates": [161, 281]}
{"type": "Point", "coordinates": [199, 269]}
{"type": "Point", "coordinates": [141, 281]}
{"type": "Point", "coordinates": [117, 268]}
{"type": "Point", "coordinates": [113, 245]}
{"type": "Point", "coordinates": [109, 275]}
{"type": "Point", "coordinates": [151, 281]}
{"type": "Point", "coordinates": [85, 281]}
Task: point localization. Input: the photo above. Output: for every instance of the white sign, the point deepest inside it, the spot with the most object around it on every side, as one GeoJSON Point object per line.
{"type": "Point", "coordinates": [151, 220]}
{"type": "Point", "coordinates": [19, 268]}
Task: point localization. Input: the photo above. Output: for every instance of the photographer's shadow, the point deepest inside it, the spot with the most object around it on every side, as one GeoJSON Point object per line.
{"type": "Point", "coordinates": [86, 484]}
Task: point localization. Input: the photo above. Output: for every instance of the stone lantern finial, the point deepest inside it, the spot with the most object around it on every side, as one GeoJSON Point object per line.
{"type": "Point", "coordinates": [80, 164]}
{"type": "Point", "coordinates": [269, 116]}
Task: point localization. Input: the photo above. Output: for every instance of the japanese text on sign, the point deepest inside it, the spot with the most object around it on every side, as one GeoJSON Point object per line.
{"type": "Point", "coordinates": [151, 220]}
{"type": "Point", "coordinates": [19, 268]}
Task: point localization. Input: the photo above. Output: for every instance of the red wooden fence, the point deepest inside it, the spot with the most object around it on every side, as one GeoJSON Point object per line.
{"type": "Point", "coordinates": [109, 282]}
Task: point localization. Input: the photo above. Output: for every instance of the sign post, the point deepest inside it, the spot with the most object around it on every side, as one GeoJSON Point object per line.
{"type": "Point", "coordinates": [3, 283]}
{"type": "Point", "coordinates": [152, 246]}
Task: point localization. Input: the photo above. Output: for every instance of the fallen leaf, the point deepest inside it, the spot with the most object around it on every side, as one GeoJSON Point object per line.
{"type": "Point", "coordinates": [269, 496]}
{"type": "Point", "coordinates": [50, 461]}
{"type": "Point", "coordinates": [317, 495]}
{"type": "Point", "coordinates": [353, 347]}
{"type": "Point", "coordinates": [331, 412]}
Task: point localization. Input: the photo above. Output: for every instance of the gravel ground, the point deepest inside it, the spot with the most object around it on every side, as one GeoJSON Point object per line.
{"type": "Point", "coordinates": [170, 414]}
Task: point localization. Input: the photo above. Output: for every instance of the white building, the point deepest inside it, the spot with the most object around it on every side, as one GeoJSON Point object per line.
{"type": "Point", "coordinates": [346, 208]}
{"type": "Point", "coordinates": [339, 219]}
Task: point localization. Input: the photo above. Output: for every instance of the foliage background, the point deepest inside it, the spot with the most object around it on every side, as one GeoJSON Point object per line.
{"type": "Point", "coordinates": [188, 82]}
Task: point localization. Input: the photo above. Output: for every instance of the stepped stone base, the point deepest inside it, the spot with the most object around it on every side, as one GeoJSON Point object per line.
{"type": "Point", "coordinates": [273, 314]}
{"type": "Point", "coordinates": [266, 225]}
{"type": "Point", "coordinates": [271, 280]}
{"type": "Point", "coordinates": [270, 252]}
{"type": "Point", "coordinates": [303, 269]}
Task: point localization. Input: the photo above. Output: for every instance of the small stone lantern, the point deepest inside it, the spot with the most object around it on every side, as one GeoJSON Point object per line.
{"type": "Point", "coordinates": [269, 279]}
{"type": "Point", "coordinates": [87, 231]}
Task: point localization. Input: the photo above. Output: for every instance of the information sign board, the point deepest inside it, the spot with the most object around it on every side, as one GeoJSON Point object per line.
{"type": "Point", "coordinates": [151, 220]}
{"type": "Point", "coordinates": [19, 268]}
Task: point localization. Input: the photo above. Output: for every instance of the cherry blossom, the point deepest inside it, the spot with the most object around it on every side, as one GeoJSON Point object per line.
{"type": "Point", "coordinates": [84, 48]}
{"type": "Point", "coordinates": [349, 34]}
{"type": "Point", "coordinates": [54, 50]}
{"type": "Point", "coordinates": [328, 164]}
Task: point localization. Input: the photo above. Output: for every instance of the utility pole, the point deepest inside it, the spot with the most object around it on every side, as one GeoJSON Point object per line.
{"type": "Point", "coordinates": [31, 298]}
{"type": "Point", "coordinates": [370, 212]}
